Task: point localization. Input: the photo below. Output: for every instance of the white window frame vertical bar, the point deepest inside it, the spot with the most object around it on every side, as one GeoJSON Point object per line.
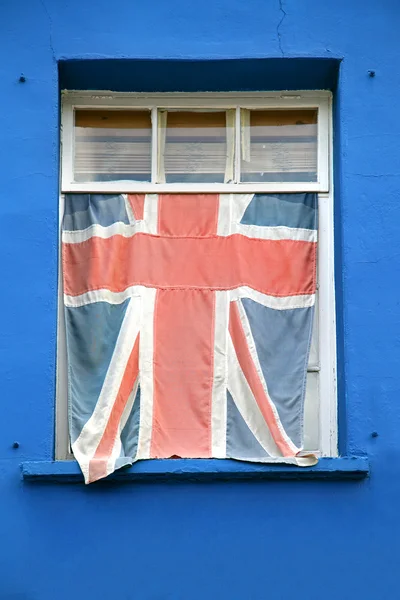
{"type": "Point", "coordinates": [61, 429]}
{"type": "Point", "coordinates": [154, 145]}
{"type": "Point", "coordinates": [238, 148]}
{"type": "Point", "coordinates": [323, 144]}
{"type": "Point", "coordinates": [327, 313]}
{"type": "Point", "coordinates": [67, 175]}
{"type": "Point", "coordinates": [67, 146]}
{"type": "Point", "coordinates": [327, 331]}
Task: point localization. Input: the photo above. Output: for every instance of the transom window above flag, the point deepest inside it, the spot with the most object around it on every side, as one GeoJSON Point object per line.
{"type": "Point", "coordinates": [189, 321]}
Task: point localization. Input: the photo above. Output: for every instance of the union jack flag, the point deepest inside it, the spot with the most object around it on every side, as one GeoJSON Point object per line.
{"type": "Point", "coordinates": [189, 320]}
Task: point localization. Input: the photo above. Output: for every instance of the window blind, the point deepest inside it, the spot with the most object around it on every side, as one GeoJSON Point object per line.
{"type": "Point", "coordinates": [195, 146]}
{"type": "Point", "coordinates": [112, 145]}
{"type": "Point", "coordinates": [279, 145]}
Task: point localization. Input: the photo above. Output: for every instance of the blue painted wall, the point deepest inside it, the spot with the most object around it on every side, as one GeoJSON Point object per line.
{"type": "Point", "coordinates": [309, 540]}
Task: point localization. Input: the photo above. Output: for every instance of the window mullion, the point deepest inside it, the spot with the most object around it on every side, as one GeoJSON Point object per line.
{"type": "Point", "coordinates": [237, 145]}
{"type": "Point", "coordinates": [154, 145]}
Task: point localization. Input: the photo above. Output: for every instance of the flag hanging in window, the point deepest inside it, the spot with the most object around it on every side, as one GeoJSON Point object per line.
{"type": "Point", "coordinates": [189, 320]}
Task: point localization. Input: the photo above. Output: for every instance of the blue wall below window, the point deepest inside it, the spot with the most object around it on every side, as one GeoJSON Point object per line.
{"type": "Point", "coordinates": [183, 541]}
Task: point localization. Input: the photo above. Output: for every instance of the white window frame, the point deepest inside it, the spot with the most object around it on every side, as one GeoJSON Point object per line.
{"type": "Point", "coordinates": [176, 101]}
{"type": "Point", "coordinates": [322, 100]}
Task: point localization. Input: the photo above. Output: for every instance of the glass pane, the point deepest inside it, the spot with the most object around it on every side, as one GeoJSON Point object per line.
{"type": "Point", "coordinates": [311, 413]}
{"type": "Point", "coordinates": [112, 145]}
{"type": "Point", "coordinates": [279, 145]}
{"type": "Point", "coordinates": [196, 147]}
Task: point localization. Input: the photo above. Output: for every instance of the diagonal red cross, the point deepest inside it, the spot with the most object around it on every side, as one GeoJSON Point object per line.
{"type": "Point", "coordinates": [186, 261]}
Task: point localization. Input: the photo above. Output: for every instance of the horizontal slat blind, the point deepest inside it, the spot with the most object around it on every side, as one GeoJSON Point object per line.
{"type": "Point", "coordinates": [195, 146]}
{"type": "Point", "coordinates": [112, 145]}
{"type": "Point", "coordinates": [279, 145]}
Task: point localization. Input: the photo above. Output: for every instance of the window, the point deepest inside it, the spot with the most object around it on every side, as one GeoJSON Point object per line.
{"type": "Point", "coordinates": [196, 147]}
{"type": "Point", "coordinates": [279, 145]}
{"type": "Point", "coordinates": [112, 145]}
{"type": "Point", "coordinates": [222, 143]}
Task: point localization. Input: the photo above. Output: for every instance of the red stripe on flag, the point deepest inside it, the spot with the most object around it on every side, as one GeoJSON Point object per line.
{"type": "Point", "coordinates": [183, 373]}
{"type": "Point", "coordinates": [137, 204]}
{"type": "Point", "coordinates": [250, 372]}
{"type": "Point", "coordinates": [277, 268]}
{"type": "Point", "coordinates": [188, 214]}
{"type": "Point", "coordinates": [98, 464]}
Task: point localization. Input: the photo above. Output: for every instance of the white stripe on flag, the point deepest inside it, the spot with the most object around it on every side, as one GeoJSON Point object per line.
{"type": "Point", "coordinates": [253, 352]}
{"type": "Point", "coordinates": [129, 210]}
{"type": "Point", "coordinates": [102, 295]}
{"type": "Point", "coordinates": [86, 444]}
{"type": "Point", "coordinates": [279, 232]}
{"type": "Point", "coordinates": [146, 353]}
{"type": "Point", "coordinates": [230, 212]}
{"type": "Point", "coordinates": [224, 214]}
{"type": "Point", "coordinates": [218, 406]}
{"type": "Point", "coordinates": [150, 214]}
{"type": "Point", "coordinates": [247, 404]}
{"type": "Point", "coordinates": [275, 302]}
{"type": "Point", "coordinates": [116, 451]}
{"type": "Point", "coordinates": [96, 230]}
{"type": "Point", "coordinates": [239, 204]}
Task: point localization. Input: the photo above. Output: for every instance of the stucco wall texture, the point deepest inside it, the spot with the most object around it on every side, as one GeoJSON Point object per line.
{"type": "Point", "coordinates": [181, 541]}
